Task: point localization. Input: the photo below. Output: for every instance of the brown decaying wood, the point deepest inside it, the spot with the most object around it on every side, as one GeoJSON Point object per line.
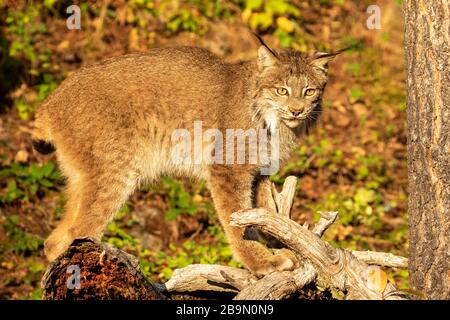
{"type": "Point", "coordinates": [320, 262]}
{"type": "Point", "coordinates": [105, 273]}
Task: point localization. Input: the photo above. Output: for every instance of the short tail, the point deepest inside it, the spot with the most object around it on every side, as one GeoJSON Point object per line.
{"type": "Point", "coordinates": [41, 138]}
{"type": "Point", "coordinates": [43, 147]}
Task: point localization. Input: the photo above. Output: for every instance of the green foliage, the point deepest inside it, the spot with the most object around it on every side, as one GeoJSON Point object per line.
{"type": "Point", "coordinates": [26, 181]}
{"type": "Point", "coordinates": [278, 16]}
{"type": "Point", "coordinates": [19, 241]}
{"type": "Point", "coordinates": [118, 237]}
{"type": "Point", "coordinates": [370, 166]}
{"type": "Point", "coordinates": [36, 294]}
{"type": "Point", "coordinates": [25, 25]}
{"type": "Point", "coordinates": [115, 233]}
{"type": "Point", "coordinates": [354, 68]}
{"type": "Point", "coordinates": [180, 201]}
{"type": "Point", "coordinates": [364, 207]}
{"type": "Point", "coordinates": [178, 16]}
{"type": "Point", "coordinates": [24, 29]}
{"type": "Point", "coordinates": [48, 84]}
{"type": "Point", "coordinates": [192, 15]}
{"type": "Point", "coordinates": [164, 262]}
{"type": "Point", "coordinates": [184, 20]}
{"type": "Point", "coordinates": [25, 108]}
{"type": "Point", "coordinates": [356, 94]}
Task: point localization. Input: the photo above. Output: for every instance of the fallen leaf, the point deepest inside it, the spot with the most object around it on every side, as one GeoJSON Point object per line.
{"type": "Point", "coordinates": [197, 198]}
{"type": "Point", "coordinates": [21, 156]}
{"type": "Point", "coordinates": [376, 279]}
{"type": "Point", "coordinates": [63, 45]}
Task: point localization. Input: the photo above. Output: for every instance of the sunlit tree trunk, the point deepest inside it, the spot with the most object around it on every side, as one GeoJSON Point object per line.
{"type": "Point", "coordinates": [427, 47]}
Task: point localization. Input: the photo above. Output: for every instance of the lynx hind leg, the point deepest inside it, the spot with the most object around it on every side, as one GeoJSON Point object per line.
{"type": "Point", "coordinates": [58, 240]}
{"type": "Point", "coordinates": [92, 203]}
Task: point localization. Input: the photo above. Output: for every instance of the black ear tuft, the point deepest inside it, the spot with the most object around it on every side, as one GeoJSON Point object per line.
{"type": "Point", "coordinates": [321, 59]}
{"type": "Point", "coordinates": [261, 41]}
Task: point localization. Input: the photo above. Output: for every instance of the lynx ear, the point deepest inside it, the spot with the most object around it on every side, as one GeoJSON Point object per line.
{"type": "Point", "coordinates": [266, 57]}
{"type": "Point", "coordinates": [321, 59]}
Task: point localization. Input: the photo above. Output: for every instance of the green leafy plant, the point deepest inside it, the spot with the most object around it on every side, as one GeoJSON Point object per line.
{"type": "Point", "coordinates": [19, 241]}
{"type": "Point", "coordinates": [184, 20]}
{"type": "Point", "coordinates": [24, 28]}
{"type": "Point", "coordinates": [164, 262]}
{"type": "Point", "coordinates": [26, 181]}
{"type": "Point", "coordinates": [213, 250]}
{"type": "Point", "coordinates": [277, 15]}
{"type": "Point", "coordinates": [25, 25]}
{"type": "Point", "coordinates": [365, 206]}
{"type": "Point", "coordinates": [180, 201]}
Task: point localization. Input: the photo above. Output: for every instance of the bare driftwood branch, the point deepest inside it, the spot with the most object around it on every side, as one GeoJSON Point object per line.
{"type": "Point", "coordinates": [381, 259]}
{"type": "Point", "coordinates": [278, 285]}
{"type": "Point", "coordinates": [203, 277]}
{"type": "Point", "coordinates": [337, 268]}
{"type": "Point", "coordinates": [285, 198]}
{"type": "Point", "coordinates": [325, 221]}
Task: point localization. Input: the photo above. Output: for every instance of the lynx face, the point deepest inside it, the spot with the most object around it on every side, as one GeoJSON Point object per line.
{"type": "Point", "coordinates": [291, 86]}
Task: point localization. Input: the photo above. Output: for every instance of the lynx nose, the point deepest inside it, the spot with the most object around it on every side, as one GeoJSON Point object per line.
{"type": "Point", "coordinates": [298, 111]}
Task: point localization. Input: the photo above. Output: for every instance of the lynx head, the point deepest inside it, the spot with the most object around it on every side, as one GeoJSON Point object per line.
{"type": "Point", "coordinates": [290, 86]}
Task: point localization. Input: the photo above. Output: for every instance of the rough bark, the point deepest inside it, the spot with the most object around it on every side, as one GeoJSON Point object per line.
{"type": "Point", "coordinates": [106, 273]}
{"type": "Point", "coordinates": [427, 48]}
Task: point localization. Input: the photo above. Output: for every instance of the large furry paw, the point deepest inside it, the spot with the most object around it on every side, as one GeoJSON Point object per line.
{"type": "Point", "coordinates": [56, 244]}
{"type": "Point", "coordinates": [282, 260]}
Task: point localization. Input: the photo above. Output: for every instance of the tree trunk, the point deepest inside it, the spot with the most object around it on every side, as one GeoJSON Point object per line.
{"type": "Point", "coordinates": [427, 49]}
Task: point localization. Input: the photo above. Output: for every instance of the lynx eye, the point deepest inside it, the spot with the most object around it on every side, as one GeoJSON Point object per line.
{"type": "Point", "coordinates": [282, 91]}
{"type": "Point", "coordinates": [310, 92]}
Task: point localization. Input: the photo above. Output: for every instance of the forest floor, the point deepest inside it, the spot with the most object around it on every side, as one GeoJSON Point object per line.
{"type": "Point", "coordinates": [354, 162]}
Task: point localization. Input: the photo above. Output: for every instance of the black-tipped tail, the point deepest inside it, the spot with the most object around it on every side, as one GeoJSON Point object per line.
{"type": "Point", "coordinates": [43, 147]}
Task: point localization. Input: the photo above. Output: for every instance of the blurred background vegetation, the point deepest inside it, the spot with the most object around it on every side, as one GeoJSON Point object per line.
{"type": "Point", "coordinates": [353, 162]}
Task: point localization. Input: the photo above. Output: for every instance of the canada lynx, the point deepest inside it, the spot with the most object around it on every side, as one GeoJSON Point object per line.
{"type": "Point", "coordinates": [111, 125]}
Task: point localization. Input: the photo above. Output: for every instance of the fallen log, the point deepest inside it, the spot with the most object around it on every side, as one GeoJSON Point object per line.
{"type": "Point", "coordinates": [93, 270]}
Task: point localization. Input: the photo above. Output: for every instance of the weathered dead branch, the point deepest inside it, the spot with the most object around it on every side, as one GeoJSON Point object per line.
{"type": "Point", "coordinates": [381, 259]}
{"type": "Point", "coordinates": [203, 277]}
{"type": "Point", "coordinates": [278, 285]}
{"type": "Point", "coordinates": [337, 268]}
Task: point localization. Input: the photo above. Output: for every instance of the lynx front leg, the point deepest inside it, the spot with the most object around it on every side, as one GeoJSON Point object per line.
{"type": "Point", "coordinates": [232, 191]}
